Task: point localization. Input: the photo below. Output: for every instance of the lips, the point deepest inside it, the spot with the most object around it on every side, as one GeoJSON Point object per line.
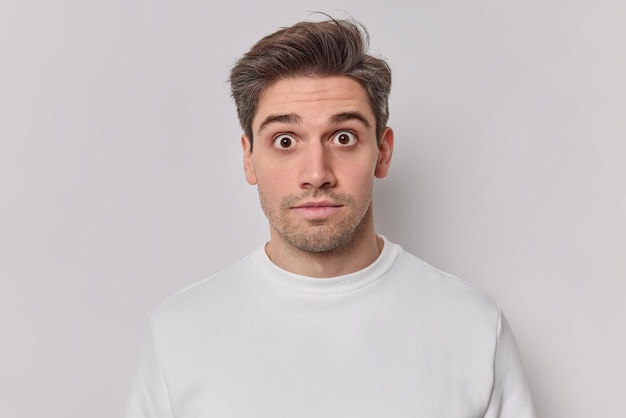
{"type": "Point", "coordinates": [319, 204]}
{"type": "Point", "coordinates": [317, 209]}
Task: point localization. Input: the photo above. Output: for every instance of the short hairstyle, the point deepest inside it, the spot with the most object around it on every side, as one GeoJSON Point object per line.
{"type": "Point", "coordinates": [311, 49]}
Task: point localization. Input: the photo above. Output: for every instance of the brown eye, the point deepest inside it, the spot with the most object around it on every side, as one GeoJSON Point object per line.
{"type": "Point", "coordinates": [284, 141]}
{"type": "Point", "coordinates": [344, 138]}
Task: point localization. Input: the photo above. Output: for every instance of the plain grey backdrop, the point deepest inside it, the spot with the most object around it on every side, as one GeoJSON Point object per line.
{"type": "Point", "coordinates": [121, 178]}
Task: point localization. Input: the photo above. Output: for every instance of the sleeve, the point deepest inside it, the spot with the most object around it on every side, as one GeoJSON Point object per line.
{"type": "Point", "coordinates": [510, 395]}
{"type": "Point", "coordinates": [149, 397]}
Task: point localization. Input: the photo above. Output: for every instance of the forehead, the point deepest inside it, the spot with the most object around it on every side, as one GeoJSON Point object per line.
{"type": "Point", "coordinates": [313, 98]}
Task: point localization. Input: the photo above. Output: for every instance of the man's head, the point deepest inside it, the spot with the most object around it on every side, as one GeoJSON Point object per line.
{"type": "Point", "coordinates": [316, 106]}
{"type": "Point", "coordinates": [310, 49]}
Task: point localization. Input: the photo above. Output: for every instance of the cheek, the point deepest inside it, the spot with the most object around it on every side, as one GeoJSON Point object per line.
{"type": "Point", "coordinates": [274, 184]}
{"type": "Point", "coordinates": [366, 187]}
{"type": "Point", "coordinates": [359, 187]}
{"type": "Point", "coordinates": [265, 171]}
{"type": "Point", "coordinates": [360, 178]}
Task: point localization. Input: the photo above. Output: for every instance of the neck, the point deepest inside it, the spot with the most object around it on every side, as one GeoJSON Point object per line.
{"type": "Point", "coordinates": [361, 250]}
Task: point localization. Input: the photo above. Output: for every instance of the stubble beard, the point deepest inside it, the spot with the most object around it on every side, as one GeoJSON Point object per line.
{"type": "Point", "coordinates": [319, 236]}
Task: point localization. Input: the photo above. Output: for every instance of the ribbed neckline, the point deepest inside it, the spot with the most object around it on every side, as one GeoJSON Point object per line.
{"type": "Point", "coordinates": [326, 286]}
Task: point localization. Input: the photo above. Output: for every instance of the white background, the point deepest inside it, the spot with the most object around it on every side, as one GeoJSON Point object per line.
{"type": "Point", "coordinates": [121, 179]}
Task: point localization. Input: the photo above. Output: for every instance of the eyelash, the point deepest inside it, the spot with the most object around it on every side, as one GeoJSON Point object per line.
{"type": "Point", "coordinates": [352, 136]}
{"type": "Point", "coordinates": [276, 141]}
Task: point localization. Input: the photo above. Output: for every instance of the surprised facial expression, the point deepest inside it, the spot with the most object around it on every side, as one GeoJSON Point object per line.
{"type": "Point", "coordinates": [314, 159]}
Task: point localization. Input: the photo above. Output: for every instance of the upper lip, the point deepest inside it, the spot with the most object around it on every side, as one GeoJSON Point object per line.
{"type": "Point", "coordinates": [317, 204]}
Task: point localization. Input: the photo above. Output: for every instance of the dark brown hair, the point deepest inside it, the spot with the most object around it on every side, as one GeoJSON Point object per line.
{"type": "Point", "coordinates": [327, 48]}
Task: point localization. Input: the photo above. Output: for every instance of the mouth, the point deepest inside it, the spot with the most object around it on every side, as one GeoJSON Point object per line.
{"type": "Point", "coordinates": [317, 209]}
{"type": "Point", "coordinates": [317, 204]}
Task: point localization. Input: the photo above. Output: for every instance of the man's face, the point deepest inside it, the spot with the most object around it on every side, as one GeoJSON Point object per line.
{"type": "Point", "coordinates": [314, 160]}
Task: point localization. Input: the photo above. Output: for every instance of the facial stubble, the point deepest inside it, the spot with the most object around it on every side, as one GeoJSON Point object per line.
{"type": "Point", "coordinates": [320, 235]}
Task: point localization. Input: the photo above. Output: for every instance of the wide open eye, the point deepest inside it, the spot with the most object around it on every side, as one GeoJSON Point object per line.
{"type": "Point", "coordinates": [284, 141]}
{"type": "Point", "coordinates": [344, 138]}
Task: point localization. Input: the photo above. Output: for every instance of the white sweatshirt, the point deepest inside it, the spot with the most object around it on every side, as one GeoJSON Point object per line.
{"type": "Point", "coordinates": [396, 339]}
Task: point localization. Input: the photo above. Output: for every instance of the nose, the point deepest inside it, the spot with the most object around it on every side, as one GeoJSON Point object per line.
{"type": "Point", "coordinates": [316, 167]}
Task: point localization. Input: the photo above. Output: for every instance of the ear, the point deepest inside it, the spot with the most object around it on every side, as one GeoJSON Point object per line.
{"type": "Point", "coordinates": [385, 149]}
{"type": "Point", "coordinates": [248, 167]}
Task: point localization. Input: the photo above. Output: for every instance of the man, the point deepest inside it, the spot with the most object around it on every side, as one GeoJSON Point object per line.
{"type": "Point", "coordinates": [327, 319]}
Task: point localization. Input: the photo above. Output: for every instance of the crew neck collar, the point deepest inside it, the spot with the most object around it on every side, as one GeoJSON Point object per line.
{"type": "Point", "coordinates": [331, 285]}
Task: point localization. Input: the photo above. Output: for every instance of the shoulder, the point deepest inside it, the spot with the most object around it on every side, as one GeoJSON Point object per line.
{"type": "Point", "coordinates": [202, 296]}
{"type": "Point", "coordinates": [412, 265]}
{"type": "Point", "coordinates": [444, 293]}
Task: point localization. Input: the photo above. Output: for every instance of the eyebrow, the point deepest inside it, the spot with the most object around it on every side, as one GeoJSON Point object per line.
{"type": "Point", "coordinates": [295, 118]}
{"type": "Point", "coordinates": [344, 116]}
{"type": "Point", "coordinates": [287, 118]}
